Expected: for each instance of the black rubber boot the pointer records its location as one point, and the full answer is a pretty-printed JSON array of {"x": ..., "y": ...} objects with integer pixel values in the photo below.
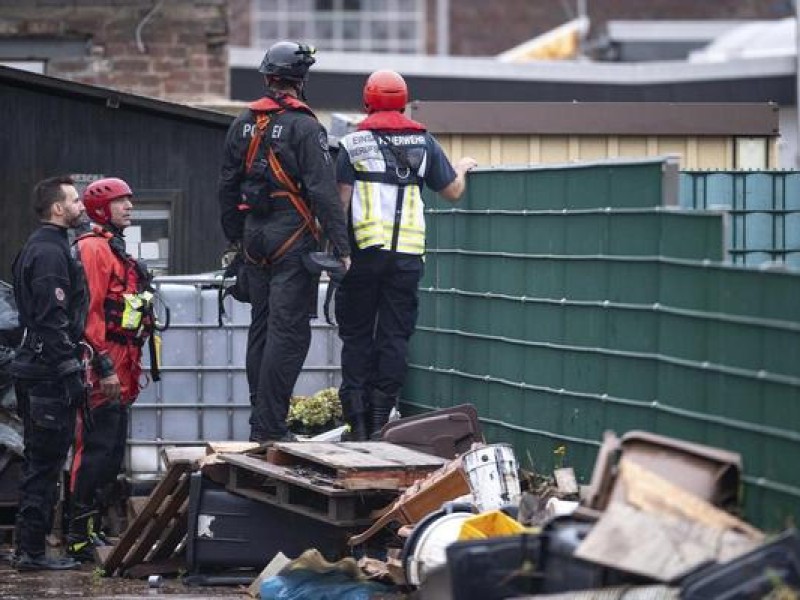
[
  {"x": 356, "y": 412},
  {"x": 381, "y": 405},
  {"x": 26, "y": 562},
  {"x": 82, "y": 537}
]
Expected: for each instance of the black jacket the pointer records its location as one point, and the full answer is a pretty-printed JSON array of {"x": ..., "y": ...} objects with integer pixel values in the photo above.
[
  {"x": 52, "y": 299},
  {"x": 301, "y": 145}
]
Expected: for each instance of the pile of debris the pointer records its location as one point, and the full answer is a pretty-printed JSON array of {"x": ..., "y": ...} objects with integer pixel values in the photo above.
[{"x": 433, "y": 510}]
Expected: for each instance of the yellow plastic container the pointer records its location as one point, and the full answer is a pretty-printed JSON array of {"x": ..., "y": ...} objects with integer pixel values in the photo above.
[{"x": 494, "y": 523}]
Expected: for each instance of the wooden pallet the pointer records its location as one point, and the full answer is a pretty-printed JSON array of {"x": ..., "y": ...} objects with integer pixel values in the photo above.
[
  {"x": 153, "y": 541},
  {"x": 358, "y": 465},
  {"x": 302, "y": 490}
]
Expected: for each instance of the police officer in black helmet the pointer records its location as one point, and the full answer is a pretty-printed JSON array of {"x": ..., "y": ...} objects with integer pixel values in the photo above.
[
  {"x": 277, "y": 195},
  {"x": 50, "y": 292}
]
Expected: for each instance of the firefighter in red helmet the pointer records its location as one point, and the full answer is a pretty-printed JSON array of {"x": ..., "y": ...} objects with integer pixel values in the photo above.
[
  {"x": 380, "y": 171},
  {"x": 119, "y": 321}
]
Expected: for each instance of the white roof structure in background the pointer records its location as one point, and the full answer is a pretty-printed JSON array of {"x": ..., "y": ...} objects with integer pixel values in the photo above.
[
  {"x": 489, "y": 68},
  {"x": 668, "y": 31},
  {"x": 752, "y": 40}
]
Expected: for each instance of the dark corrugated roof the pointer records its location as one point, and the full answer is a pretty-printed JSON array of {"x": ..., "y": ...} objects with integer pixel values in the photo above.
[{"x": 111, "y": 98}]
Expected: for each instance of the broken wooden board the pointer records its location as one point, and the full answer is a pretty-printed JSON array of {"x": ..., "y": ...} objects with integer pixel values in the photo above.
[
  {"x": 418, "y": 501},
  {"x": 661, "y": 546},
  {"x": 648, "y": 491},
  {"x": 229, "y": 447},
  {"x": 302, "y": 491},
  {"x": 160, "y": 525},
  {"x": 359, "y": 465}
]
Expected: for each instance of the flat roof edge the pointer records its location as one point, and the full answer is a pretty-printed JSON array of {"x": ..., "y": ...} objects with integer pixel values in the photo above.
[{"x": 488, "y": 68}]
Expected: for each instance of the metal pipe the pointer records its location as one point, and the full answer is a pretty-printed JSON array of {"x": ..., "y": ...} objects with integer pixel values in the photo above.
[
  {"x": 138, "y": 35},
  {"x": 443, "y": 27},
  {"x": 797, "y": 82}
]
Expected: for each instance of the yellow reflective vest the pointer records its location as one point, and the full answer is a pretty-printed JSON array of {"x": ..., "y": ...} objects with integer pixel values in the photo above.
[{"x": 386, "y": 207}]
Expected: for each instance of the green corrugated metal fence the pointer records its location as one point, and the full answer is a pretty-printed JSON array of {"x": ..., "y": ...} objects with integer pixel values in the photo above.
[
  {"x": 566, "y": 301},
  {"x": 763, "y": 209}
]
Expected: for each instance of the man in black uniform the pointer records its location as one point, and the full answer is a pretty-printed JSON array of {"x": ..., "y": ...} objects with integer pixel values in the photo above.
[
  {"x": 50, "y": 292},
  {"x": 277, "y": 179}
]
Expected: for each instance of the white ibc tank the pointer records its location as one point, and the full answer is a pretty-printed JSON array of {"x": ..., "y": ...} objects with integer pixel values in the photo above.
[{"x": 203, "y": 393}]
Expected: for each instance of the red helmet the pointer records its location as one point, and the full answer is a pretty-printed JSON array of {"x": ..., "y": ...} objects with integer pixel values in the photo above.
[
  {"x": 385, "y": 90},
  {"x": 100, "y": 193}
]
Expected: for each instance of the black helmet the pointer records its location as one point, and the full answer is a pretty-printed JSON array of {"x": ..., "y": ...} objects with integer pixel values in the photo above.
[{"x": 288, "y": 60}]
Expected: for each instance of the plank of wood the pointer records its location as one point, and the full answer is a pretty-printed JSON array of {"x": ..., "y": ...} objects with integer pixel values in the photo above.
[
  {"x": 173, "y": 535},
  {"x": 304, "y": 510},
  {"x": 257, "y": 465},
  {"x": 229, "y": 447},
  {"x": 380, "y": 480},
  {"x": 339, "y": 510},
  {"x": 168, "y": 511},
  {"x": 648, "y": 491},
  {"x": 162, "y": 490},
  {"x": 360, "y": 455},
  {"x": 174, "y": 564}
]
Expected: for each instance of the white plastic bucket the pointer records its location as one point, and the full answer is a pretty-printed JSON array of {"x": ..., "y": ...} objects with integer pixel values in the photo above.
[
  {"x": 492, "y": 474},
  {"x": 427, "y": 547}
]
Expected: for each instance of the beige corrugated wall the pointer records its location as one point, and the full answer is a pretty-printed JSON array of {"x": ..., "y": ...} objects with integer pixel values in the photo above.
[{"x": 696, "y": 152}]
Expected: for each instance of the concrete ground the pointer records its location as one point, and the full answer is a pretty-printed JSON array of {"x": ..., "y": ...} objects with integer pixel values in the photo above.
[{"x": 87, "y": 583}]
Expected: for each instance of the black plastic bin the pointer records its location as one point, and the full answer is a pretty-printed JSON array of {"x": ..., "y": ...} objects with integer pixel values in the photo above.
[
  {"x": 229, "y": 531},
  {"x": 752, "y": 575},
  {"x": 504, "y": 567}
]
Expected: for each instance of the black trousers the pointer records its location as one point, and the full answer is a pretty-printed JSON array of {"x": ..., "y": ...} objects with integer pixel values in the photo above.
[
  {"x": 283, "y": 296},
  {"x": 49, "y": 424},
  {"x": 97, "y": 461},
  {"x": 376, "y": 309}
]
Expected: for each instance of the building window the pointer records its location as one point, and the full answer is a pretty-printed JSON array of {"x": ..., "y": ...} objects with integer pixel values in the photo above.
[
  {"x": 148, "y": 236},
  {"x": 351, "y": 25}
]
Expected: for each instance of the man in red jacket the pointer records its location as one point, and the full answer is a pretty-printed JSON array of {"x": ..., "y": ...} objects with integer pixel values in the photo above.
[{"x": 119, "y": 321}]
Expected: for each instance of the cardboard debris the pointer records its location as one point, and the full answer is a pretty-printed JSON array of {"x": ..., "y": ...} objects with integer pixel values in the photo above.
[
  {"x": 710, "y": 473},
  {"x": 647, "y": 491},
  {"x": 660, "y": 546},
  {"x": 664, "y": 531}
]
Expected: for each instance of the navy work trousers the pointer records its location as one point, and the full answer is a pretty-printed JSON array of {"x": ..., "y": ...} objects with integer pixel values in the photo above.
[{"x": 376, "y": 310}]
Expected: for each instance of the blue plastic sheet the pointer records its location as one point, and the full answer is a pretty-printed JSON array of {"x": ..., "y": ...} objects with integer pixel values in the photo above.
[{"x": 304, "y": 584}]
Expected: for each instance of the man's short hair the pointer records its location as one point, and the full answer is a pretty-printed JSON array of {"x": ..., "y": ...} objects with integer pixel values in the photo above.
[{"x": 47, "y": 192}]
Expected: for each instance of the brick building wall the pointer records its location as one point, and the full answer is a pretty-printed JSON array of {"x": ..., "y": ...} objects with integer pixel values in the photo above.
[
  {"x": 180, "y": 52},
  {"x": 239, "y": 22},
  {"x": 485, "y": 28}
]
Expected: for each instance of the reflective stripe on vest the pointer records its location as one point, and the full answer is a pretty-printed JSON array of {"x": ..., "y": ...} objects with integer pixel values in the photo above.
[{"x": 377, "y": 190}]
